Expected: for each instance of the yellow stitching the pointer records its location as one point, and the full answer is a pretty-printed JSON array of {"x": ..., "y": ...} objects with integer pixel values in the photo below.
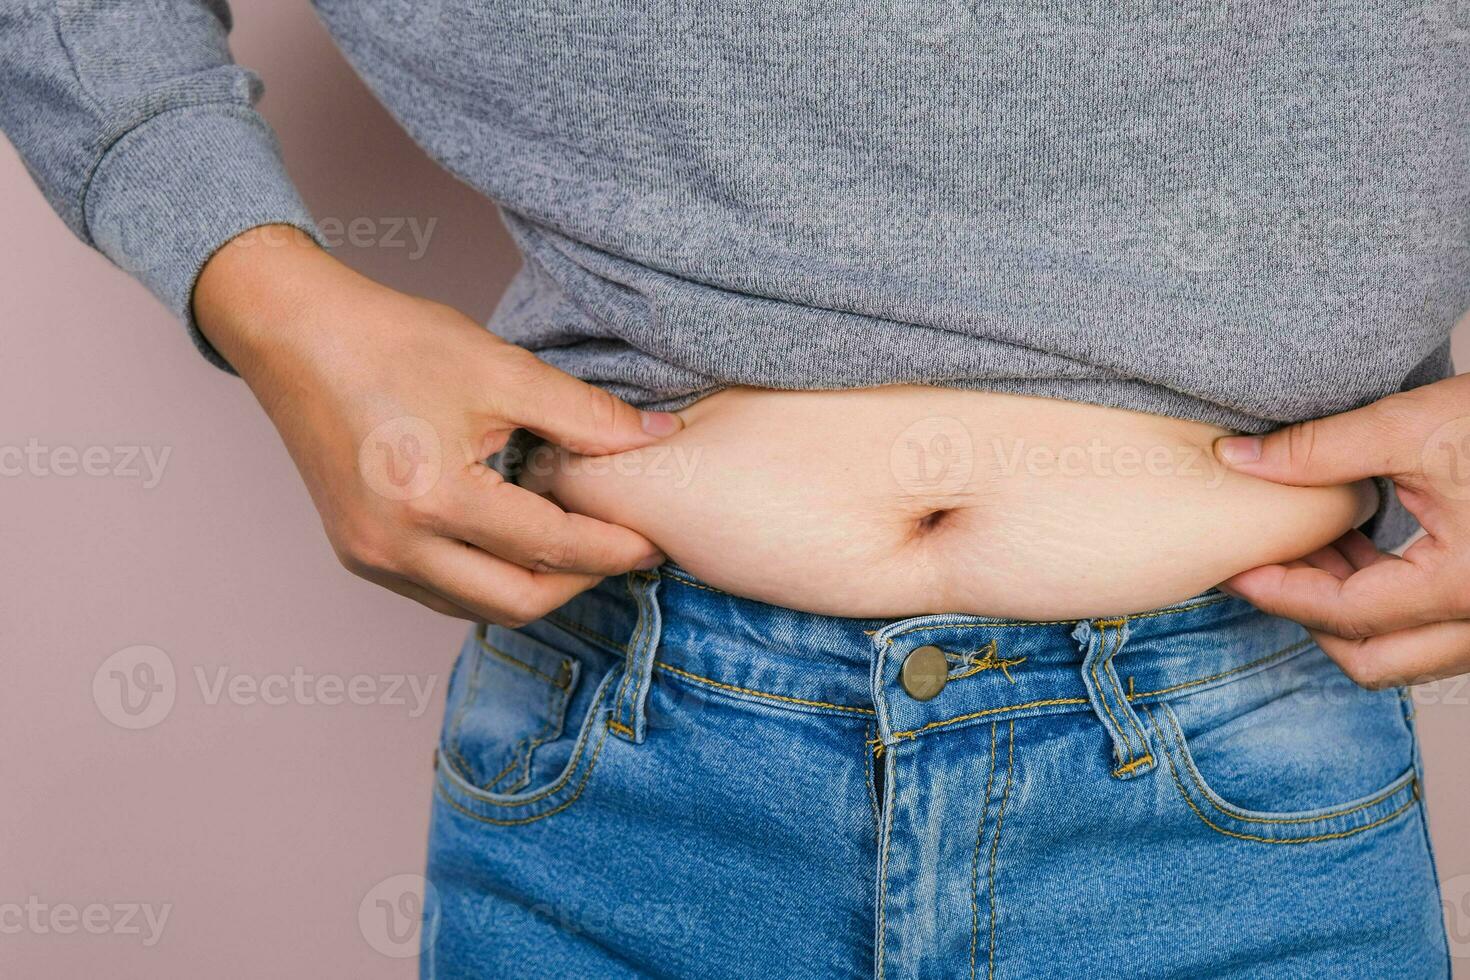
[
  {"x": 868, "y": 775},
  {"x": 633, "y": 709},
  {"x": 591, "y": 765},
  {"x": 1101, "y": 696},
  {"x": 490, "y": 786},
  {"x": 991, "y": 661},
  {"x": 968, "y": 658},
  {"x": 1198, "y": 781},
  {"x": 877, "y": 745},
  {"x": 620, "y": 728},
  {"x": 576, "y": 627},
  {"x": 632, "y": 643},
  {"x": 1283, "y": 652},
  {"x": 760, "y": 694},
  {"x": 1143, "y": 760},
  {"x": 452, "y": 737},
  {"x": 1112, "y": 676},
  {"x": 1286, "y": 840},
  {"x": 587, "y": 632},
  {"x": 515, "y": 662},
  {"x": 914, "y": 733},
  {"x": 975, "y": 861},
  {"x": 1060, "y": 701},
  {"x": 699, "y": 585},
  {"x": 1006, "y": 624},
  {"x": 555, "y": 719},
  {"x": 572, "y": 766},
  {"x": 1169, "y": 612},
  {"x": 530, "y": 743},
  {"x": 889, "y": 792},
  {"x": 1000, "y": 819}
]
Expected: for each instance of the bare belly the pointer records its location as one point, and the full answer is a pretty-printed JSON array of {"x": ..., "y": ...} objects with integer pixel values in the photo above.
[{"x": 899, "y": 501}]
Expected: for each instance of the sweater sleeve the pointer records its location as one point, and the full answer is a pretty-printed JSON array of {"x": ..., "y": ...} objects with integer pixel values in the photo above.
[{"x": 142, "y": 133}]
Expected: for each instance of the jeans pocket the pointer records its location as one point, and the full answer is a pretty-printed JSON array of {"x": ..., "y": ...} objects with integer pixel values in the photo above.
[
  {"x": 1296, "y": 754},
  {"x": 522, "y": 722}
]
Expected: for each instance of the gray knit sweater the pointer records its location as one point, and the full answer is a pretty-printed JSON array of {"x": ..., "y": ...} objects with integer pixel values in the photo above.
[{"x": 1246, "y": 213}]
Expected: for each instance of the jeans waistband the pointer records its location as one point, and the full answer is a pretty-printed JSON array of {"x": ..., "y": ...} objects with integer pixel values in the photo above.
[{"x": 671, "y": 626}]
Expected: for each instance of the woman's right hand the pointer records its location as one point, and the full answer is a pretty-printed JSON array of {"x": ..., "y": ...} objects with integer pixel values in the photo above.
[{"x": 389, "y": 405}]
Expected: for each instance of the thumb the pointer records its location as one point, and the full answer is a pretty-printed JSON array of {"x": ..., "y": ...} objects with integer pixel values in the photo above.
[
  {"x": 1322, "y": 452},
  {"x": 578, "y": 416}
]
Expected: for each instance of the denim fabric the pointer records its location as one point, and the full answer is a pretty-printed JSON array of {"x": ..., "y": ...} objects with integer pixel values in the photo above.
[{"x": 664, "y": 780}]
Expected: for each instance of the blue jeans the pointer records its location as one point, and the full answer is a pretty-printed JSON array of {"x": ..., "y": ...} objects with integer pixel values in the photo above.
[{"x": 661, "y": 779}]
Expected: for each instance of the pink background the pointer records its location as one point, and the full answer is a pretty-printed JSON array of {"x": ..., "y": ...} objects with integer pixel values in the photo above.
[{"x": 263, "y": 826}]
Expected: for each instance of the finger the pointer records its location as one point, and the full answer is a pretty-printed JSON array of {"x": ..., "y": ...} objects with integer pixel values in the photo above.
[
  {"x": 418, "y": 594},
  {"x": 1323, "y": 452},
  {"x": 437, "y": 603},
  {"x": 495, "y": 591},
  {"x": 1329, "y": 559},
  {"x": 513, "y": 523},
  {"x": 1359, "y": 549},
  {"x": 1379, "y": 598},
  {"x": 578, "y": 416},
  {"x": 1402, "y": 658}
]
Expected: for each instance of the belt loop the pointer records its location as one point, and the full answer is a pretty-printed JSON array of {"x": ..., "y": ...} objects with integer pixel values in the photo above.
[
  {"x": 629, "y": 718},
  {"x": 1101, "y": 639}
]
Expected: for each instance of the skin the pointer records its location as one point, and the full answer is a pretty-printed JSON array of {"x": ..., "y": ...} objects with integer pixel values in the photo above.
[
  {"x": 339, "y": 363},
  {"x": 896, "y": 501},
  {"x": 367, "y": 385},
  {"x": 1388, "y": 620}
]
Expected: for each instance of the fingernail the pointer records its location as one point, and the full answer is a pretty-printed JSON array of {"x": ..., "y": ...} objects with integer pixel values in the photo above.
[
  {"x": 660, "y": 423},
  {"x": 651, "y": 562},
  {"x": 1239, "y": 449}
]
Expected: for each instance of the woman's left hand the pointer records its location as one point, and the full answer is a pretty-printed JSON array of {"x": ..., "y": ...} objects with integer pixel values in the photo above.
[{"x": 1387, "y": 620}]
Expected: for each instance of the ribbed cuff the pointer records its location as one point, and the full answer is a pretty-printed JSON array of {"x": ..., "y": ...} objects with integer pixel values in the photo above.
[{"x": 176, "y": 188}]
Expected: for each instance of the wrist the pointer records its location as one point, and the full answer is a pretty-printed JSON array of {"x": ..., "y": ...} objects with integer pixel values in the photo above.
[{"x": 254, "y": 296}]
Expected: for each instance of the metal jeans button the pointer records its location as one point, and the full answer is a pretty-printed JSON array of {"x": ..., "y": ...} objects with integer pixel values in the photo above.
[{"x": 925, "y": 672}]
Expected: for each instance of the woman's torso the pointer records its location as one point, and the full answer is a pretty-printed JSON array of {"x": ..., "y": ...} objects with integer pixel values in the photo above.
[{"x": 903, "y": 500}]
